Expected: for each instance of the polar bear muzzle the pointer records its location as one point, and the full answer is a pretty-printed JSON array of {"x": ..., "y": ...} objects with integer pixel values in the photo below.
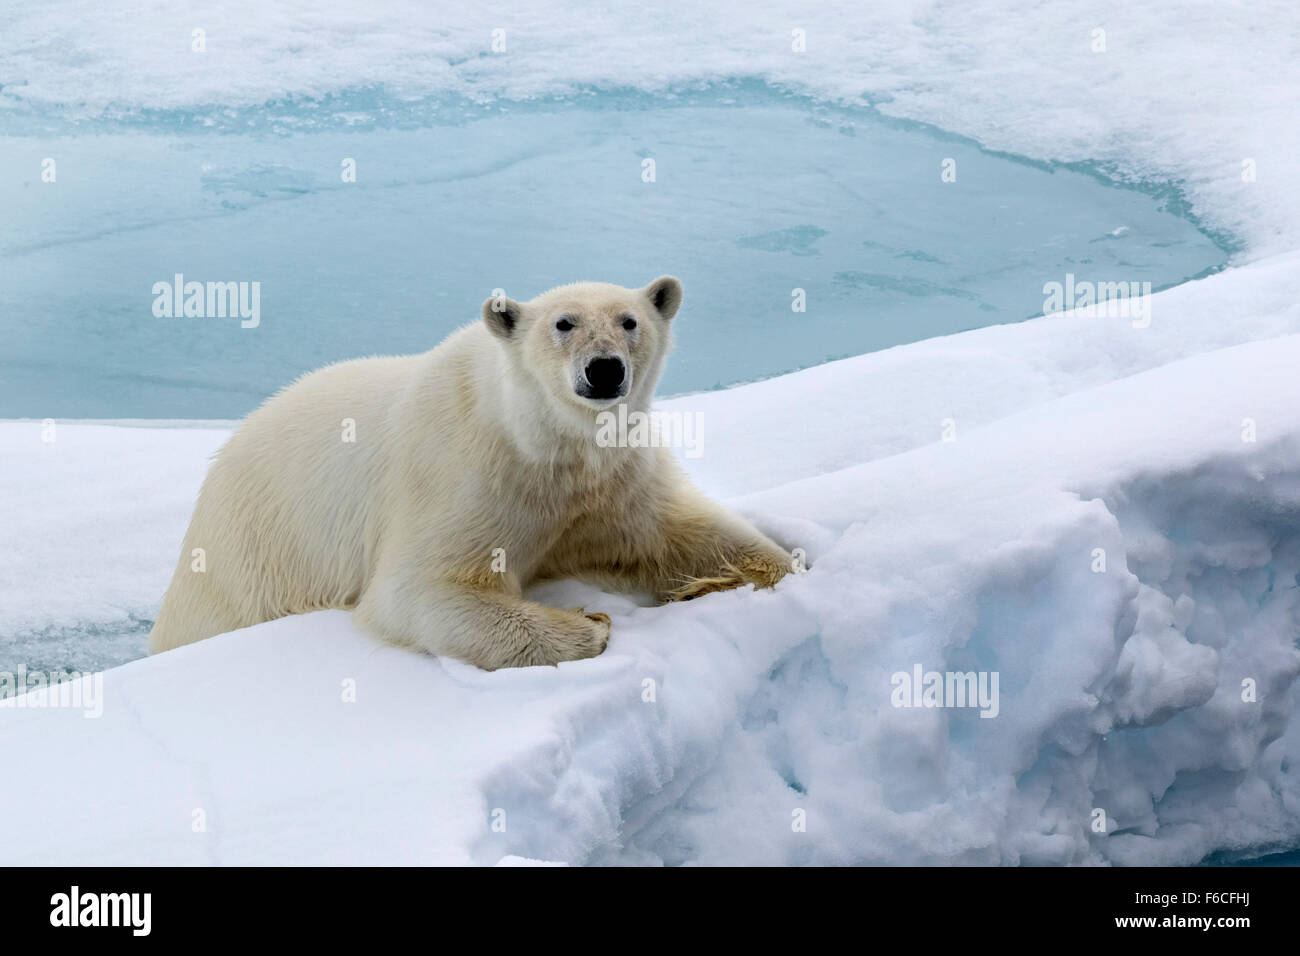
[{"x": 604, "y": 377}]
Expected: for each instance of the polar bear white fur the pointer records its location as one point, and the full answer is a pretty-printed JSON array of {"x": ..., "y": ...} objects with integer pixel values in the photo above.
[{"x": 473, "y": 471}]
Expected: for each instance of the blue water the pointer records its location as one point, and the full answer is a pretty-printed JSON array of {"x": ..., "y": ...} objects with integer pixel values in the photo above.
[
  {"x": 756, "y": 194},
  {"x": 1283, "y": 858}
]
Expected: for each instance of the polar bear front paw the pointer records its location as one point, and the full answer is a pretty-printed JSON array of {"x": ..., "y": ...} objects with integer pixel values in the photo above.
[
  {"x": 582, "y": 635},
  {"x": 761, "y": 570}
]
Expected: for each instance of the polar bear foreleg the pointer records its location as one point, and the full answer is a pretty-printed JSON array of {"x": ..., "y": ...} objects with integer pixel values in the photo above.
[
  {"x": 488, "y": 627},
  {"x": 705, "y": 549}
]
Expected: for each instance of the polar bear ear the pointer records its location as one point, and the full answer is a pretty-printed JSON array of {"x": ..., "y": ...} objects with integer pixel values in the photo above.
[
  {"x": 665, "y": 294},
  {"x": 502, "y": 315}
]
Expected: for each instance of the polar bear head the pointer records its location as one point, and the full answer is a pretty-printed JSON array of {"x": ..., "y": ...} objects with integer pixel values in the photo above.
[{"x": 589, "y": 345}]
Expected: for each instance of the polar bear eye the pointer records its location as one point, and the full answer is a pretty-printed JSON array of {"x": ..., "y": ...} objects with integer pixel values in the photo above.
[
  {"x": 563, "y": 325},
  {"x": 629, "y": 323}
]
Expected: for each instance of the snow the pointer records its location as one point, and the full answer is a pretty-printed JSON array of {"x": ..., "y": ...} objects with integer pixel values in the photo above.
[
  {"x": 1155, "y": 693},
  {"x": 1119, "y": 690}
]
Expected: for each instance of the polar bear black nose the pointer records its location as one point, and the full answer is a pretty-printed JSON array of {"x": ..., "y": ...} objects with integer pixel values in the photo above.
[{"x": 605, "y": 376}]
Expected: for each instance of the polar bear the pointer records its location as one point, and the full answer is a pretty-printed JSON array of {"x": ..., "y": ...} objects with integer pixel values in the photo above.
[{"x": 426, "y": 492}]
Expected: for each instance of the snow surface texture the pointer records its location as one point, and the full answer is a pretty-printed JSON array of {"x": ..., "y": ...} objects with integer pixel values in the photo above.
[{"x": 1120, "y": 690}]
